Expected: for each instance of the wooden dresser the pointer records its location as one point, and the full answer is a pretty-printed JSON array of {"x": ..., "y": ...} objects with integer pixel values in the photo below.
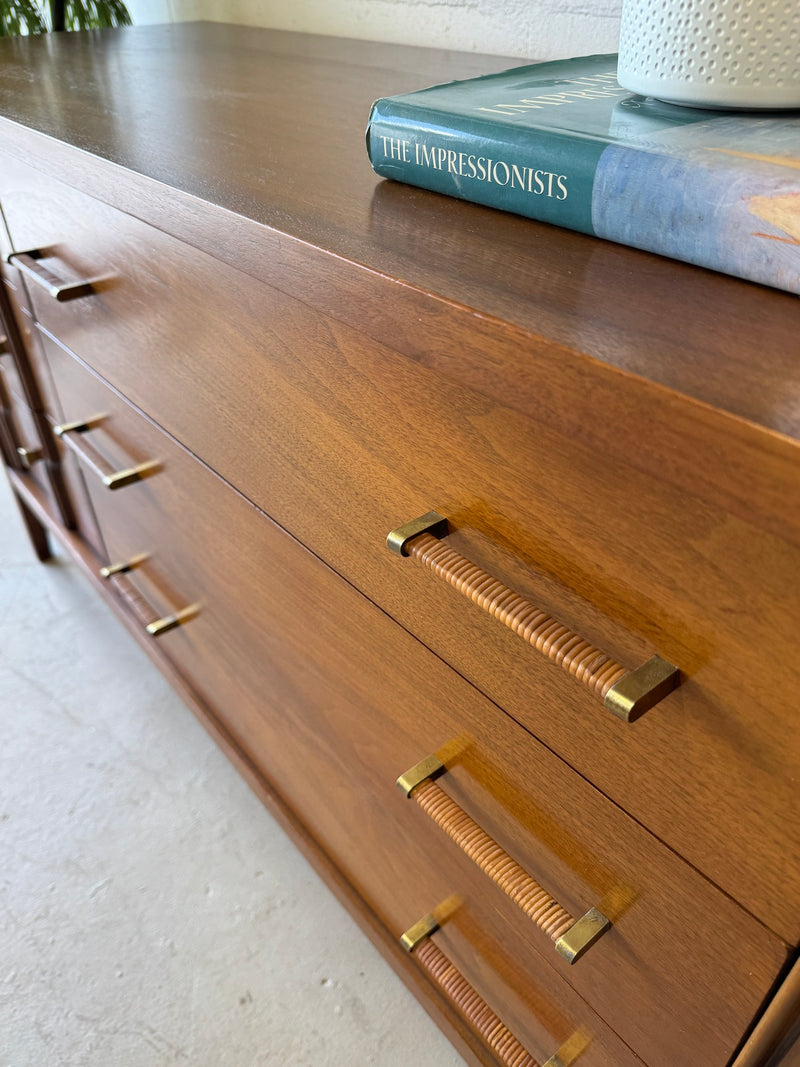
[{"x": 237, "y": 362}]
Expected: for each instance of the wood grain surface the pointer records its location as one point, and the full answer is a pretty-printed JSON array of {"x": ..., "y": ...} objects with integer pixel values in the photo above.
[
  {"x": 292, "y": 406},
  {"x": 333, "y": 700}
]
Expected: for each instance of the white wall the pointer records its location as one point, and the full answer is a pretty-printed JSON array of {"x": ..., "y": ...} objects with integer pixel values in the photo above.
[{"x": 529, "y": 29}]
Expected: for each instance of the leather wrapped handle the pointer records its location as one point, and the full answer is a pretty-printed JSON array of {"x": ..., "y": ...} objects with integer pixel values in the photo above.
[
  {"x": 72, "y": 434},
  {"x": 626, "y": 693},
  {"x": 30, "y": 265},
  {"x": 571, "y": 937}
]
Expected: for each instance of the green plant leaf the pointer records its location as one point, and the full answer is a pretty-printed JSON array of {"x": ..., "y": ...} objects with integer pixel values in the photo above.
[
  {"x": 30, "y": 16},
  {"x": 20, "y": 17},
  {"x": 96, "y": 14}
]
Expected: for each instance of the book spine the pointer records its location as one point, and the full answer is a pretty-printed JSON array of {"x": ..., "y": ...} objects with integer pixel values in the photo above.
[
  {"x": 705, "y": 208},
  {"x": 541, "y": 174}
]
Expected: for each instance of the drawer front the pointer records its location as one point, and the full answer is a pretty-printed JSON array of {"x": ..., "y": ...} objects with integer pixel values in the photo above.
[
  {"x": 333, "y": 701},
  {"x": 293, "y": 407}
]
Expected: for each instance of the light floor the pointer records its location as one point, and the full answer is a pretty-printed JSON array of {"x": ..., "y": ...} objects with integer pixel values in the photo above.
[{"x": 151, "y": 912}]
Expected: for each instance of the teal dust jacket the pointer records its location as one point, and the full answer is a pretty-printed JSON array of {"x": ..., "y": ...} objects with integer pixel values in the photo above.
[{"x": 564, "y": 143}]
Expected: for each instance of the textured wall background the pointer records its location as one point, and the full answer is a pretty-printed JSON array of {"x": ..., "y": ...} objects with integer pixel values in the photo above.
[{"x": 528, "y": 29}]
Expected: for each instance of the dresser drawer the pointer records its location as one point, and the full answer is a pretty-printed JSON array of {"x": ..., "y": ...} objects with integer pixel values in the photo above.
[
  {"x": 333, "y": 701},
  {"x": 307, "y": 411}
]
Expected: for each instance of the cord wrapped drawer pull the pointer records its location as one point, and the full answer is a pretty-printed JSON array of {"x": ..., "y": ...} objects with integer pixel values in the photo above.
[
  {"x": 571, "y": 937},
  {"x": 626, "y": 693},
  {"x": 30, "y": 264},
  {"x": 72, "y": 434},
  {"x": 472, "y": 1007}
]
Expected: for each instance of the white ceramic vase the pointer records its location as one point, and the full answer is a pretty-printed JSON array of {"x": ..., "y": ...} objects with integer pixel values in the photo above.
[{"x": 739, "y": 54}]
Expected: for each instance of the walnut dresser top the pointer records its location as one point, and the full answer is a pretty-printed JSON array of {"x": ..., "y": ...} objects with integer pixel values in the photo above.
[{"x": 235, "y": 110}]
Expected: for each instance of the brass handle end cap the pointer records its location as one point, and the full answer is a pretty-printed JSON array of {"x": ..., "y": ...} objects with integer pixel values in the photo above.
[
  {"x": 421, "y": 929},
  {"x": 170, "y": 622},
  {"x": 430, "y": 767},
  {"x": 582, "y": 935},
  {"x": 642, "y": 688},
  {"x": 119, "y": 479},
  {"x": 79, "y": 425},
  {"x": 125, "y": 566},
  {"x": 431, "y": 522}
]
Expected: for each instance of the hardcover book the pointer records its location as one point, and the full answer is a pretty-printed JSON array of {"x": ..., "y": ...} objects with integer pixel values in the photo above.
[{"x": 564, "y": 143}]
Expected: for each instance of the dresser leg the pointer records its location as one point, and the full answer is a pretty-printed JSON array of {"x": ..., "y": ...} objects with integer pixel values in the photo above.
[{"x": 36, "y": 532}]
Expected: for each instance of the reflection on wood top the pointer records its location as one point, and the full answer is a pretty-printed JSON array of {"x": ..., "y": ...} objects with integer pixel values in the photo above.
[{"x": 270, "y": 126}]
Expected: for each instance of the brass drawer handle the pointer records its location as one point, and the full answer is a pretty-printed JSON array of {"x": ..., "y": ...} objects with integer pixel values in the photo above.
[
  {"x": 154, "y": 624},
  {"x": 628, "y": 694},
  {"x": 29, "y": 456},
  {"x": 30, "y": 265},
  {"x": 71, "y": 433},
  {"x": 161, "y": 626},
  {"x": 472, "y": 1007},
  {"x": 572, "y": 937},
  {"x": 113, "y": 570}
]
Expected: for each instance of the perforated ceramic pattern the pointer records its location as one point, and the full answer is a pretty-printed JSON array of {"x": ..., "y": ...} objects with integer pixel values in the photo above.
[{"x": 750, "y": 43}]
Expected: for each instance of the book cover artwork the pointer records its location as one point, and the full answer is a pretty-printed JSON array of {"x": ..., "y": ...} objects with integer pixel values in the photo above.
[{"x": 564, "y": 143}]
